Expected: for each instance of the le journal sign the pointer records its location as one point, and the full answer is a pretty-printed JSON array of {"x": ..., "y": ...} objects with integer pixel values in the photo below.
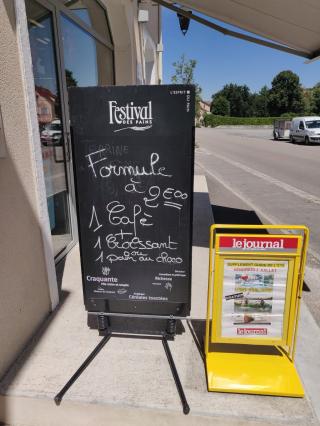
[{"x": 258, "y": 244}]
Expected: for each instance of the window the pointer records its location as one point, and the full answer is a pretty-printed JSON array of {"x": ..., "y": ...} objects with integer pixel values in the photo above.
[
  {"x": 96, "y": 69},
  {"x": 92, "y": 14},
  {"x": 48, "y": 99},
  {"x": 87, "y": 54},
  {"x": 301, "y": 125},
  {"x": 314, "y": 124},
  {"x": 45, "y": 110}
]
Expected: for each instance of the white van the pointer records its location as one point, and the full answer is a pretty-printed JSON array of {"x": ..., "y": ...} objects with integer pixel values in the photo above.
[{"x": 305, "y": 130}]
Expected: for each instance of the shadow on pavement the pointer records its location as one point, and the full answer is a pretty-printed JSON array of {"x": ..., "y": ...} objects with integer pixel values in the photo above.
[
  {"x": 202, "y": 219},
  {"x": 232, "y": 216},
  {"x": 197, "y": 328}
]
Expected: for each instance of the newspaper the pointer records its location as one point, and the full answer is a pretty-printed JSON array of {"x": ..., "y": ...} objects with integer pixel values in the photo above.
[{"x": 253, "y": 298}]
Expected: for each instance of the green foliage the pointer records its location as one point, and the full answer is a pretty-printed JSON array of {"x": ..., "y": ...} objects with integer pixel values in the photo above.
[
  {"x": 238, "y": 98},
  {"x": 211, "y": 120},
  {"x": 184, "y": 74},
  {"x": 288, "y": 115},
  {"x": 71, "y": 81},
  {"x": 286, "y": 98},
  {"x": 286, "y": 94},
  {"x": 315, "y": 99},
  {"x": 184, "y": 71},
  {"x": 220, "y": 105},
  {"x": 307, "y": 99},
  {"x": 260, "y": 103}
]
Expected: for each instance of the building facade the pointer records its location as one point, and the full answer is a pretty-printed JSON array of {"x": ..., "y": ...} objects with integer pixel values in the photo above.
[
  {"x": 204, "y": 109},
  {"x": 47, "y": 46}
]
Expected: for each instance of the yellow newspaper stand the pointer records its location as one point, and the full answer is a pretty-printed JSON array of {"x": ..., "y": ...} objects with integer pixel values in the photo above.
[{"x": 254, "y": 292}]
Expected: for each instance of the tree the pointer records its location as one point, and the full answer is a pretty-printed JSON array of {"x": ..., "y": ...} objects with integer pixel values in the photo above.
[
  {"x": 315, "y": 99},
  {"x": 308, "y": 101},
  {"x": 220, "y": 106},
  {"x": 184, "y": 74},
  {"x": 239, "y": 97},
  {"x": 286, "y": 94},
  {"x": 260, "y": 103},
  {"x": 71, "y": 81}
]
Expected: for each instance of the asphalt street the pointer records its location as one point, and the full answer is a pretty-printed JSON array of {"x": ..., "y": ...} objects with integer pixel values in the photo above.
[{"x": 253, "y": 179}]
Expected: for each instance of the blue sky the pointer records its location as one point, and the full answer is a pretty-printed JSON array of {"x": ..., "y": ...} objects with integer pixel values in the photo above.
[{"x": 223, "y": 59}]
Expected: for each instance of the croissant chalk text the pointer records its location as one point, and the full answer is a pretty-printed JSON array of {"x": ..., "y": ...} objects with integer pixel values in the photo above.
[{"x": 137, "y": 243}]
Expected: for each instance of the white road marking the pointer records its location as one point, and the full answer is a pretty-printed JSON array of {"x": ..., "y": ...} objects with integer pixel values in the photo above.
[
  {"x": 285, "y": 186},
  {"x": 265, "y": 218}
]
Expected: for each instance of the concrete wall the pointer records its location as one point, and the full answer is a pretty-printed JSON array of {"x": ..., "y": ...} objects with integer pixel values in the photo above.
[
  {"x": 129, "y": 39},
  {"x": 154, "y": 27},
  {"x": 150, "y": 38},
  {"x": 24, "y": 283},
  {"x": 120, "y": 13}
]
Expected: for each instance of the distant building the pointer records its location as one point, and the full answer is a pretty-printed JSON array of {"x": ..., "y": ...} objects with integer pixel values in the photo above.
[
  {"x": 45, "y": 100},
  {"x": 204, "y": 108}
]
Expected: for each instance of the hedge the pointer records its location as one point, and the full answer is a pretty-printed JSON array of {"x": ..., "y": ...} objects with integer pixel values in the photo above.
[{"x": 211, "y": 120}]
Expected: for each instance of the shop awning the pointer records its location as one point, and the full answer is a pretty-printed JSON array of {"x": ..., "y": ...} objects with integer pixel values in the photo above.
[{"x": 292, "y": 25}]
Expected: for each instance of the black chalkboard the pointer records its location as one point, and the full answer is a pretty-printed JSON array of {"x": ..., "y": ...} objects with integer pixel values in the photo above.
[{"x": 133, "y": 153}]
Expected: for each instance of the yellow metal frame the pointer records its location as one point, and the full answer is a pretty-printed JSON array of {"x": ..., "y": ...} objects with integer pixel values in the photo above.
[{"x": 262, "y": 373}]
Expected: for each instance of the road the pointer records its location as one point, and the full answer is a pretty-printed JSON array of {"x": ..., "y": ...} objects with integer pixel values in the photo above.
[{"x": 253, "y": 179}]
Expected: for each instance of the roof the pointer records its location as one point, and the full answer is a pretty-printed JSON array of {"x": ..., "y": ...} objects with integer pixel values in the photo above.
[
  {"x": 313, "y": 117},
  {"x": 206, "y": 102},
  {"x": 45, "y": 93},
  {"x": 290, "y": 23}
]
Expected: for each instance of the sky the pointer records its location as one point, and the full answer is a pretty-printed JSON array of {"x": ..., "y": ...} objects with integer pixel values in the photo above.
[{"x": 223, "y": 59}]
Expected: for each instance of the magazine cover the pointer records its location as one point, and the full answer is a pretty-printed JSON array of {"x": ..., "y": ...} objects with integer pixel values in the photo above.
[{"x": 253, "y": 298}]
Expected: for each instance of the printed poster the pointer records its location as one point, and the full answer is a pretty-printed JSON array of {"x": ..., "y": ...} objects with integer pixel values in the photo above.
[{"x": 253, "y": 298}]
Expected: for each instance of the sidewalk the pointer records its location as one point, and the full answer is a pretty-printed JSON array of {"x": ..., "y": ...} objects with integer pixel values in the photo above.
[{"x": 130, "y": 382}]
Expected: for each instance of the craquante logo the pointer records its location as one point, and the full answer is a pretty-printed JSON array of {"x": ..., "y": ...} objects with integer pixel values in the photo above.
[{"x": 131, "y": 116}]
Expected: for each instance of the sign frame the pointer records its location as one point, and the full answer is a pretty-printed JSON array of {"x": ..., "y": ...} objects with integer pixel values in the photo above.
[
  {"x": 98, "y": 306},
  {"x": 290, "y": 297},
  {"x": 114, "y": 205},
  {"x": 245, "y": 364}
]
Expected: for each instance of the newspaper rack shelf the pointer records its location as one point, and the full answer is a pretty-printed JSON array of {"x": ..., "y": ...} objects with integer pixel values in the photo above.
[{"x": 254, "y": 291}]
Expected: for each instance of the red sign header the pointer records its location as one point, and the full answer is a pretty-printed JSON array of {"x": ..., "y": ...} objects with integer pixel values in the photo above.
[{"x": 263, "y": 243}]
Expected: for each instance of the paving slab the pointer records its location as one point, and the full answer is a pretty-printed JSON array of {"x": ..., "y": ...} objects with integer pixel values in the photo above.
[{"x": 130, "y": 382}]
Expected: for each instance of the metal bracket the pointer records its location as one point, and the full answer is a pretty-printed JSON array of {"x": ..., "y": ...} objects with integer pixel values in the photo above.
[
  {"x": 184, "y": 402},
  {"x": 101, "y": 344}
]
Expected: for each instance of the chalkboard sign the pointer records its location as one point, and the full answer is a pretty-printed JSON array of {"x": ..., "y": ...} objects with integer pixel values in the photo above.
[{"x": 133, "y": 153}]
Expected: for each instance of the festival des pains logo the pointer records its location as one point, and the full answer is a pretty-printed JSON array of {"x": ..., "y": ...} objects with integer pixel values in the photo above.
[{"x": 131, "y": 116}]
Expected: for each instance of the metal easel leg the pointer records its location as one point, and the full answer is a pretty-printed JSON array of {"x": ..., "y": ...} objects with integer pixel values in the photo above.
[
  {"x": 94, "y": 353},
  {"x": 185, "y": 405}
]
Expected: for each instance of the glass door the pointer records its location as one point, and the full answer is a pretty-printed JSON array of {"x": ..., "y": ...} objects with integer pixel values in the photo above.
[
  {"x": 51, "y": 123},
  {"x": 71, "y": 45}
]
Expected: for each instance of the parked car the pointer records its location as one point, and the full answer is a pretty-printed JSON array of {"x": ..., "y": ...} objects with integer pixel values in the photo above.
[
  {"x": 281, "y": 129},
  {"x": 52, "y": 133},
  {"x": 305, "y": 130}
]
